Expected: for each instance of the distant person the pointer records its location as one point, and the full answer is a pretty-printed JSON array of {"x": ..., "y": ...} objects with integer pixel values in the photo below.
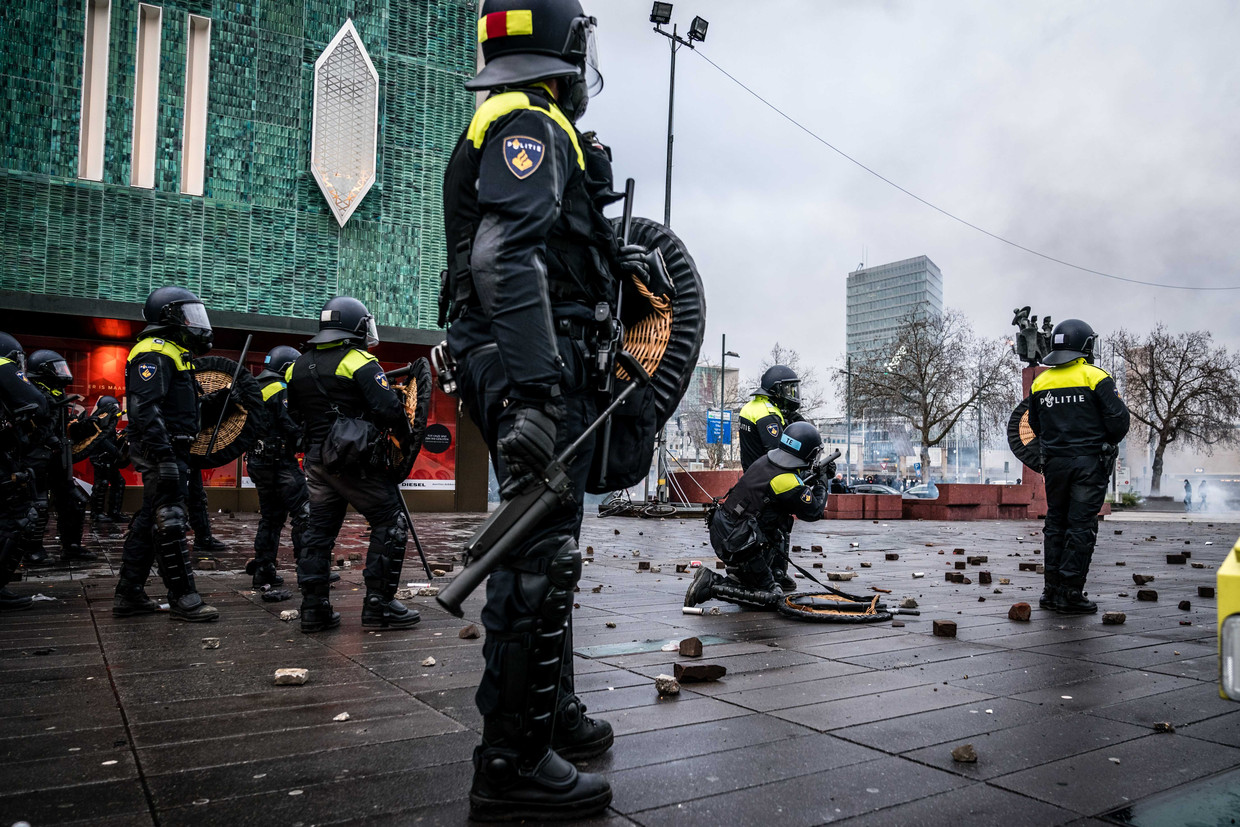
[
  {"x": 1188, "y": 496},
  {"x": 837, "y": 485},
  {"x": 1201, "y": 496},
  {"x": 1078, "y": 418}
]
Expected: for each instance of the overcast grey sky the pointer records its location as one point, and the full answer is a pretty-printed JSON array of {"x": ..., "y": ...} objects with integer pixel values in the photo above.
[{"x": 1103, "y": 133}]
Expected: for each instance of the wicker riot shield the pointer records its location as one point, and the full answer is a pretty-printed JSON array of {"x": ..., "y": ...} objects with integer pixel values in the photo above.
[
  {"x": 84, "y": 437},
  {"x": 244, "y": 416},
  {"x": 398, "y": 455},
  {"x": 1021, "y": 438}
]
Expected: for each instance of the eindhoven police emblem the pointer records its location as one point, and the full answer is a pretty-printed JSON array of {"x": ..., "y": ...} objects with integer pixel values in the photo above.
[
  {"x": 146, "y": 370},
  {"x": 773, "y": 430},
  {"x": 522, "y": 155}
]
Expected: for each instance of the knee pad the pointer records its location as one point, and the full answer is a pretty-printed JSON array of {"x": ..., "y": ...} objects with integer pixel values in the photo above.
[
  {"x": 300, "y": 515},
  {"x": 392, "y": 536},
  {"x": 170, "y": 521}
]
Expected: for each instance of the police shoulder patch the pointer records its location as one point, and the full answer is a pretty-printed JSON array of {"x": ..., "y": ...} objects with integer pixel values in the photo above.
[
  {"x": 523, "y": 155},
  {"x": 772, "y": 429},
  {"x": 381, "y": 378},
  {"x": 147, "y": 370},
  {"x": 21, "y": 374},
  {"x": 807, "y": 496}
]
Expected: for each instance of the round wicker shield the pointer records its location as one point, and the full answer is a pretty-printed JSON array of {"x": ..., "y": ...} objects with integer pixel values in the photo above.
[
  {"x": 84, "y": 437},
  {"x": 665, "y": 335},
  {"x": 244, "y": 415},
  {"x": 415, "y": 394},
  {"x": 828, "y": 607},
  {"x": 1021, "y": 438}
]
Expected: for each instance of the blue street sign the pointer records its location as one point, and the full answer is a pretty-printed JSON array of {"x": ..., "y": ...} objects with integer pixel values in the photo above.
[
  {"x": 916, "y": 466},
  {"x": 712, "y": 428}
]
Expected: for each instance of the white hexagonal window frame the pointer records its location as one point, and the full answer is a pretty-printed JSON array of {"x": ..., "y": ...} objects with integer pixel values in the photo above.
[{"x": 345, "y": 132}]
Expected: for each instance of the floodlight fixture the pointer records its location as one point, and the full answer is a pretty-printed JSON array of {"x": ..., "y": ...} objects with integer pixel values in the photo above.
[
  {"x": 661, "y": 13},
  {"x": 697, "y": 29}
]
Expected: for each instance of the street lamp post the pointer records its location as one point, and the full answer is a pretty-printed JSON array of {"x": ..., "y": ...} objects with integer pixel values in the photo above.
[
  {"x": 660, "y": 14},
  {"x": 723, "y": 383}
]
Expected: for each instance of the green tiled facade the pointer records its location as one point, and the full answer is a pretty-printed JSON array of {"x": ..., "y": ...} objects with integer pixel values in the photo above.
[{"x": 261, "y": 240}]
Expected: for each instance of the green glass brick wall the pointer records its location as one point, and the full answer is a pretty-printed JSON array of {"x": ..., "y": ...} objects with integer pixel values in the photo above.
[{"x": 261, "y": 240}]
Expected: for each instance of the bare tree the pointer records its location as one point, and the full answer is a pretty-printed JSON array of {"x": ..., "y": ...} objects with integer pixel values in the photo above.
[
  {"x": 702, "y": 398},
  {"x": 934, "y": 372},
  {"x": 813, "y": 395},
  {"x": 1180, "y": 387}
]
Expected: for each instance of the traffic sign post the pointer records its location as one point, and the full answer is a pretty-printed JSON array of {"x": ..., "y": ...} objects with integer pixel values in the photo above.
[{"x": 713, "y": 429}]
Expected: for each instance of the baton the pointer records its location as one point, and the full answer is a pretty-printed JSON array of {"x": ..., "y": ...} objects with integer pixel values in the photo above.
[
  {"x": 399, "y": 373},
  {"x": 626, "y": 226},
  {"x": 224, "y": 408},
  {"x": 413, "y": 532},
  {"x": 513, "y": 521}
]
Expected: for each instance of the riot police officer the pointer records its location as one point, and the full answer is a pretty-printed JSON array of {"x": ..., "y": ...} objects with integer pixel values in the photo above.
[
  {"x": 19, "y": 403},
  {"x": 752, "y": 525},
  {"x": 51, "y": 457},
  {"x": 762, "y": 420},
  {"x": 531, "y": 259},
  {"x": 341, "y": 397},
  {"x": 107, "y": 460},
  {"x": 1079, "y": 419},
  {"x": 162, "y": 399},
  {"x": 277, "y": 476}
]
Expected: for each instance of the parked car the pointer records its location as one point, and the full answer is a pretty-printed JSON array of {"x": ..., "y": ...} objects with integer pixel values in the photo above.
[
  {"x": 922, "y": 491},
  {"x": 874, "y": 488}
]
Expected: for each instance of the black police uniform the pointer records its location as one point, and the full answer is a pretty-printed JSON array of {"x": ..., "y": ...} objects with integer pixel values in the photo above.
[
  {"x": 761, "y": 423},
  {"x": 767, "y": 497},
  {"x": 51, "y": 458},
  {"x": 340, "y": 378},
  {"x": 531, "y": 253},
  {"x": 107, "y": 460},
  {"x": 278, "y": 479},
  {"x": 17, "y": 514},
  {"x": 1078, "y": 417},
  {"x": 162, "y": 399}
]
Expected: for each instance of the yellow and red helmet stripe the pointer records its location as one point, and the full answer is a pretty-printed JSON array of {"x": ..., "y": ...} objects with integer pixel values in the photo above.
[{"x": 504, "y": 23}]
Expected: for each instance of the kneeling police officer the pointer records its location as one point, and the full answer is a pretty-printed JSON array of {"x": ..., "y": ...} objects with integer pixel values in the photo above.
[
  {"x": 161, "y": 395},
  {"x": 336, "y": 382},
  {"x": 1079, "y": 418},
  {"x": 751, "y": 527}
]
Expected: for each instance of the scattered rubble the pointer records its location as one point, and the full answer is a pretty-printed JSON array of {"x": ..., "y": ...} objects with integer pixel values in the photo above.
[
  {"x": 666, "y": 685},
  {"x": 291, "y": 677},
  {"x": 1185, "y": 606},
  {"x": 1020, "y": 611},
  {"x": 210, "y": 643},
  {"x": 1113, "y": 618},
  {"x": 470, "y": 632},
  {"x": 964, "y": 754},
  {"x": 289, "y": 614},
  {"x": 944, "y": 628},
  {"x": 1205, "y": 591},
  {"x": 1164, "y": 726},
  {"x": 908, "y": 603},
  {"x": 343, "y": 716},
  {"x": 429, "y": 662},
  {"x": 698, "y": 672},
  {"x": 1147, "y": 595},
  {"x": 691, "y": 647},
  {"x": 1142, "y": 579}
]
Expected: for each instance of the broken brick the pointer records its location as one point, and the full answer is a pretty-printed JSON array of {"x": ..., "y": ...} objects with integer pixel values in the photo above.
[
  {"x": 1020, "y": 611},
  {"x": 944, "y": 628}
]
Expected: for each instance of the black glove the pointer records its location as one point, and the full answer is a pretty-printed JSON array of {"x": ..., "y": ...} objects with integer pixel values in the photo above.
[
  {"x": 529, "y": 444},
  {"x": 828, "y": 471},
  {"x": 648, "y": 266}
]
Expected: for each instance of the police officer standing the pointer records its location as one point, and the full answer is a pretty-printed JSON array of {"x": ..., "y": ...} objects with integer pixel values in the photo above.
[
  {"x": 107, "y": 461},
  {"x": 19, "y": 403},
  {"x": 531, "y": 258},
  {"x": 762, "y": 421},
  {"x": 161, "y": 396},
  {"x": 51, "y": 457},
  {"x": 277, "y": 476},
  {"x": 752, "y": 525},
  {"x": 334, "y": 388},
  {"x": 1079, "y": 418}
]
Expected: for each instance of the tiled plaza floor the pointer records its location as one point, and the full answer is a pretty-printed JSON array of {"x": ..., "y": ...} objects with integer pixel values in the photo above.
[{"x": 118, "y": 722}]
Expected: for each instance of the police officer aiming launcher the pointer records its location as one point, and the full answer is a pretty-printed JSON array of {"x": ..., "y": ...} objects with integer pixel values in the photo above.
[
  {"x": 339, "y": 394},
  {"x": 161, "y": 396},
  {"x": 1078, "y": 417}
]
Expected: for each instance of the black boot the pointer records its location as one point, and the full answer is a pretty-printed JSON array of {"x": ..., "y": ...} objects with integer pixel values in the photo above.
[
  {"x": 208, "y": 542},
  {"x": 10, "y": 602},
  {"x": 76, "y": 552},
  {"x": 379, "y": 610},
  {"x": 317, "y": 614},
  {"x": 1050, "y": 597},
  {"x": 702, "y": 588},
  {"x": 1072, "y": 601},
  {"x": 129, "y": 601},
  {"x": 577, "y": 736},
  {"x": 780, "y": 574},
  {"x": 548, "y": 788},
  {"x": 190, "y": 608},
  {"x": 37, "y": 558},
  {"x": 263, "y": 574}
]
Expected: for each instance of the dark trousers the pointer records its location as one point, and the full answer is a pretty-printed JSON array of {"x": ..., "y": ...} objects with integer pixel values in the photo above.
[
  {"x": 484, "y": 386},
  {"x": 1075, "y": 490},
  {"x": 140, "y": 549},
  {"x": 282, "y": 494},
  {"x": 17, "y": 518},
  {"x": 377, "y": 499},
  {"x": 56, "y": 489},
  {"x": 199, "y": 514}
]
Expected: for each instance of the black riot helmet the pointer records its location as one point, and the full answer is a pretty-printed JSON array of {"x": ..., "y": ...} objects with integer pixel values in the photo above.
[
  {"x": 180, "y": 316},
  {"x": 344, "y": 317},
  {"x": 107, "y": 405},
  {"x": 799, "y": 446},
  {"x": 1071, "y": 339},
  {"x": 783, "y": 386},
  {"x": 280, "y": 357},
  {"x": 12, "y": 350},
  {"x": 49, "y": 368},
  {"x": 525, "y": 41}
]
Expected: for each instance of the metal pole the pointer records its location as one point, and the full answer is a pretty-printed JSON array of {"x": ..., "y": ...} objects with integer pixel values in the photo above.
[
  {"x": 667, "y": 222},
  {"x": 981, "y": 473},
  {"x": 848, "y": 417},
  {"x": 723, "y": 378}
]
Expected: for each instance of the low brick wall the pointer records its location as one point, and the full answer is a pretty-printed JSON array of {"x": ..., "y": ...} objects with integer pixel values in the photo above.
[{"x": 715, "y": 483}]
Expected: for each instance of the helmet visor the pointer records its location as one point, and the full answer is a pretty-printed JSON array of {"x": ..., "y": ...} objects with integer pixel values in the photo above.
[
  {"x": 582, "y": 48},
  {"x": 372, "y": 332},
  {"x": 60, "y": 369},
  {"x": 789, "y": 391},
  {"x": 194, "y": 314}
]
